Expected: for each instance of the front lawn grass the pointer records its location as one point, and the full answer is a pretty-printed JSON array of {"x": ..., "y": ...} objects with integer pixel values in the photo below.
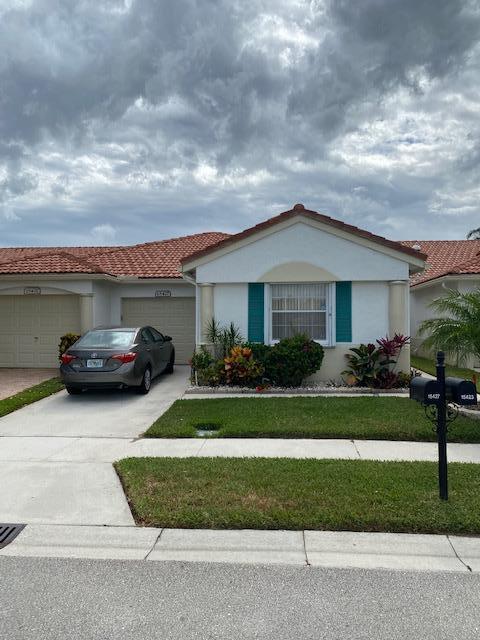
[
  {"x": 32, "y": 394},
  {"x": 367, "y": 418},
  {"x": 427, "y": 365},
  {"x": 265, "y": 493}
]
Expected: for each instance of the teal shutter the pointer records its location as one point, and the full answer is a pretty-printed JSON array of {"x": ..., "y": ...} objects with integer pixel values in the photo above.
[
  {"x": 343, "y": 308},
  {"x": 256, "y": 312}
]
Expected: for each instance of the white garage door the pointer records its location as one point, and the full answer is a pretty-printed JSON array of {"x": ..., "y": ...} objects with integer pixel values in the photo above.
[
  {"x": 172, "y": 316},
  {"x": 31, "y": 326}
]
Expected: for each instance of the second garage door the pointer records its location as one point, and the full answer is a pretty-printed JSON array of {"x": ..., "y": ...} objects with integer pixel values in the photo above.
[
  {"x": 31, "y": 326},
  {"x": 172, "y": 316}
]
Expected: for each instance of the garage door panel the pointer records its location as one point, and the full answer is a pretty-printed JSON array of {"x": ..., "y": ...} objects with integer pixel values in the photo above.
[
  {"x": 8, "y": 350},
  {"x": 171, "y": 316},
  {"x": 31, "y": 326}
]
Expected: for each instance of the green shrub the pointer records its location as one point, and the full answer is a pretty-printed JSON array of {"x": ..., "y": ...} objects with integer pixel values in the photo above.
[
  {"x": 66, "y": 341},
  {"x": 291, "y": 360},
  {"x": 200, "y": 362},
  {"x": 201, "y": 359},
  {"x": 213, "y": 375},
  {"x": 260, "y": 351}
]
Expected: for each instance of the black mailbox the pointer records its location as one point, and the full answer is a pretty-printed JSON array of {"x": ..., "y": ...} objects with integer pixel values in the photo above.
[
  {"x": 460, "y": 391},
  {"x": 424, "y": 390}
]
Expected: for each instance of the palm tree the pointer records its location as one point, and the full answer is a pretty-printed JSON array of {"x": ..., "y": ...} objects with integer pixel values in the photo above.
[
  {"x": 458, "y": 331},
  {"x": 474, "y": 234}
]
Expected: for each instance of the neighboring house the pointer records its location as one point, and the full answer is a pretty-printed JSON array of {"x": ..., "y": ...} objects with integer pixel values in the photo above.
[
  {"x": 451, "y": 264},
  {"x": 47, "y": 292},
  {"x": 297, "y": 272},
  {"x": 305, "y": 272}
]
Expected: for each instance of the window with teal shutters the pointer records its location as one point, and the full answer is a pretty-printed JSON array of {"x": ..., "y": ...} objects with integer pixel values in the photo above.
[
  {"x": 256, "y": 311},
  {"x": 343, "y": 311}
]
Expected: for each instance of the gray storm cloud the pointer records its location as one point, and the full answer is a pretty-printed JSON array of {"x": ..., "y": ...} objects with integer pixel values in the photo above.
[{"x": 159, "y": 118}]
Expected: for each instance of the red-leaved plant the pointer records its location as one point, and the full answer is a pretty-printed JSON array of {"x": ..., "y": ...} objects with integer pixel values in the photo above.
[{"x": 374, "y": 366}]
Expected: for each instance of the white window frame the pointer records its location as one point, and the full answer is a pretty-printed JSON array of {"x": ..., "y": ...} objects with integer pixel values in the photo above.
[{"x": 330, "y": 313}]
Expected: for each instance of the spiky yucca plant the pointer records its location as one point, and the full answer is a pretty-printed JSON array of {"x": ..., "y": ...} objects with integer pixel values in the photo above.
[{"x": 457, "y": 332}]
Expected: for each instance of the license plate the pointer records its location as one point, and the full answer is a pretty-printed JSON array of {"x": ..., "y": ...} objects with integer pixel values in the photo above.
[{"x": 94, "y": 364}]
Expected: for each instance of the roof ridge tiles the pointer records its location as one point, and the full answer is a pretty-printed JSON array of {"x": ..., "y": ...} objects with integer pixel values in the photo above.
[
  {"x": 299, "y": 210},
  {"x": 188, "y": 236},
  {"x": 49, "y": 254}
]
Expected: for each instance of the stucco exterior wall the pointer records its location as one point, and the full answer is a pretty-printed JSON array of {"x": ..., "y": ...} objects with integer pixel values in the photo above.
[
  {"x": 342, "y": 258},
  {"x": 231, "y": 305},
  {"x": 48, "y": 287},
  {"x": 333, "y": 364},
  {"x": 369, "y": 311}
]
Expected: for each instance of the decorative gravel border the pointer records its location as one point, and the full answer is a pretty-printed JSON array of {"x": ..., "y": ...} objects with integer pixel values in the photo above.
[{"x": 301, "y": 391}]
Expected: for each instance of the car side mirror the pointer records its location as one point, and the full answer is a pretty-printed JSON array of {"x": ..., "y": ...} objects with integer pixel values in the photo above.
[{"x": 167, "y": 338}]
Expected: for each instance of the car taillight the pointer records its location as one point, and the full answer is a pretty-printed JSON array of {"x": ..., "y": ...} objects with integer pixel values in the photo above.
[
  {"x": 125, "y": 357},
  {"x": 67, "y": 358}
]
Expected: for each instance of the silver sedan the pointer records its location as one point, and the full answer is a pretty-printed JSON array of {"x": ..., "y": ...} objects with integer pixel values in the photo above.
[{"x": 117, "y": 357}]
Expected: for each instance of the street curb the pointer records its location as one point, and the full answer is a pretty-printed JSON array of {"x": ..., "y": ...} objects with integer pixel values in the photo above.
[{"x": 334, "y": 549}]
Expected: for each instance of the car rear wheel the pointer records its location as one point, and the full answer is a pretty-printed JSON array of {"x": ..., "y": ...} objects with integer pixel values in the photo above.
[
  {"x": 73, "y": 391},
  {"x": 146, "y": 383},
  {"x": 171, "y": 364}
]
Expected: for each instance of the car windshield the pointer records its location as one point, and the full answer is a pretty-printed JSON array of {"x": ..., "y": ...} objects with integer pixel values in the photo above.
[{"x": 106, "y": 340}]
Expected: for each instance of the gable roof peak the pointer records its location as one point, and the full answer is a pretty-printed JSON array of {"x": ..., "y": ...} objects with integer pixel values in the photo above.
[{"x": 300, "y": 210}]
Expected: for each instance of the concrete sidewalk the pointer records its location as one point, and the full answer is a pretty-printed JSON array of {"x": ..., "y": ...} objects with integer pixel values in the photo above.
[
  {"x": 404, "y": 552},
  {"x": 71, "y": 481},
  {"x": 107, "y": 450}
]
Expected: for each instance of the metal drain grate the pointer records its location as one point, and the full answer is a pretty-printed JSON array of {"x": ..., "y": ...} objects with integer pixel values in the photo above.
[{"x": 8, "y": 533}]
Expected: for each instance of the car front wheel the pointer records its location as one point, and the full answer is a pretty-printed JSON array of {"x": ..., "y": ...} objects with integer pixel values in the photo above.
[{"x": 146, "y": 383}]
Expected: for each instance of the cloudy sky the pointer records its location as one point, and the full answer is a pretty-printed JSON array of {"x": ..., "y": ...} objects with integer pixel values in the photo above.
[{"x": 125, "y": 121}]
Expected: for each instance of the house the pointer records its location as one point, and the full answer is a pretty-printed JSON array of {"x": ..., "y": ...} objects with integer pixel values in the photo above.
[
  {"x": 305, "y": 272},
  {"x": 451, "y": 264},
  {"x": 300, "y": 271}
]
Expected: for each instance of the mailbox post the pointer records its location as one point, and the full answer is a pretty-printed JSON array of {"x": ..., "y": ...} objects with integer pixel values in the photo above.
[
  {"x": 442, "y": 428},
  {"x": 440, "y": 397}
]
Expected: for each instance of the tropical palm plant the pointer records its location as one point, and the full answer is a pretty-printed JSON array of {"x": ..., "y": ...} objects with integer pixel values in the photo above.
[
  {"x": 223, "y": 338},
  {"x": 474, "y": 234},
  {"x": 457, "y": 332}
]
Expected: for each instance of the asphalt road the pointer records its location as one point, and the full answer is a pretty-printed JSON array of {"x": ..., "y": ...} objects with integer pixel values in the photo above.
[{"x": 82, "y": 599}]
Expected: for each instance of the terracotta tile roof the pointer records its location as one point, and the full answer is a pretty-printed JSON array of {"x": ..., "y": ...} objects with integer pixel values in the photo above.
[
  {"x": 446, "y": 257},
  {"x": 8, "y": 254},
  {"x": 149, "y": 260},
  {"x": 60, "y": 262},
  {"x": 156, "y": 259},
  {"x": 299, "y": 210}
]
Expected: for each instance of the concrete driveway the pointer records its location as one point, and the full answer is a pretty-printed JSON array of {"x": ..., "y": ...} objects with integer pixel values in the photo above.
[
  {"x": 101, "y": 414},
  {"x": 69, "y": 492},
  {"x": 13, "y": 381}
]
